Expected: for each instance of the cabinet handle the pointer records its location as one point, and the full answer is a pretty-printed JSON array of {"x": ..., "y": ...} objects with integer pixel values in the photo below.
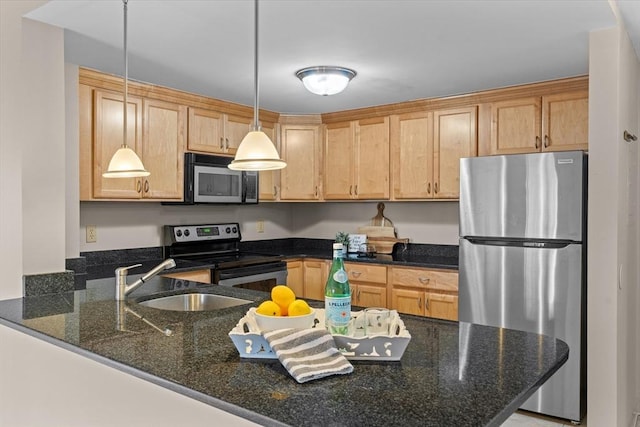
[
  {"x": 275, "y": 191},
  {"x": 358, "y": 296},
  {"x": 221, "y": 143},
  {"x": 429, "y": 188},
  {"x": 537, "y": 141},
  {"x": 146, "y": 186},
  {"x": 419, "y": 302},
  {"x": 351, "y": 190},
  {"x": 138, "y": 186},
  {"x": 435, "y": 188},
  {"x": 356, "y": 273},
  {"x": 546, "y": 141},
  {"x": 424, "y": 280},
  {"x": 226, "y": 143},
  {"x": 356, "y": 189},
  {"x": 316, "y": 191},
  {"x": 426, "y": 304}
]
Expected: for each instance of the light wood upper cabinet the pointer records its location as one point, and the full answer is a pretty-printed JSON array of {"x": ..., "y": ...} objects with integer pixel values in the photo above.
[
  {"x": 426, "y": 149},
  {"x": 156, "y": 133},
  {"x": 357, "y": 160},
  {"x": 162, "y": 149},
  {"x": 557, "y": 122},
  {"x": 454, "y": 137},
  {"x": 107, "y": 138},
  {"x": 302, "y": 150},
  {"x": 216, "y": 132},
  {"x": 269, "y": 180},
  {"x": 565, "y": 121}
]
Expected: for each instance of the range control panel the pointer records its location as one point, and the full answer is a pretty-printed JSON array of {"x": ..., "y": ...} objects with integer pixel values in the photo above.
[{"x": 201, "y": 233}]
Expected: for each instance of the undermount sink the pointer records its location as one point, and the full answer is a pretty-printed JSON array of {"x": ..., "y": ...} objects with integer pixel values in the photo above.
[{"x": 193, "y": 302}]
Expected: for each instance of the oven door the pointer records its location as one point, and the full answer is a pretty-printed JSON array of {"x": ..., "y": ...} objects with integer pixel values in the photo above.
[{"x": 261, "y": 277}]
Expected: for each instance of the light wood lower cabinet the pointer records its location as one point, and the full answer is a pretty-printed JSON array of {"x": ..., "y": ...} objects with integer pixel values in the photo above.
[
  {"x": 424, "y": 292},
  {"x": 202, "y": 276},
  {"x": 315, "y": 278},
  {"x": 295, "y": 277},
  {"x": 368, "y": 284}
]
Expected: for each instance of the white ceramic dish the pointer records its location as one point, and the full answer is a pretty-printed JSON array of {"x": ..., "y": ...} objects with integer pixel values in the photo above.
[{"x": 270, "y": 323}]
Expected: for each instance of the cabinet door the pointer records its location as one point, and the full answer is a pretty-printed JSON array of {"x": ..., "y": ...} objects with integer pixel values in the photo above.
[
  {"x": 408, "y": 301},
  {"x": 365, "y": 295},
  {"x": 235, "y": 129},
  {"x": 454, "y": 136},
  {"x": 516, "y": 126},
  {"x": 412, "y": 155},
  {"x": 315, "y": 279},
  {"x": 108, "y": 122},
  {"x": 441, "y": 306},
  {"x": 372, "y": 159},
  {"x": 269, "y": 180},
  {"x": 295, "y": 278},
  {"x": 565, "y": 121},
  {"x": 205, "y": 131},
  {"x": 338, "y": 161},
  {"x": 301, "y": 150},
  {"x": 165, "y": 128}
]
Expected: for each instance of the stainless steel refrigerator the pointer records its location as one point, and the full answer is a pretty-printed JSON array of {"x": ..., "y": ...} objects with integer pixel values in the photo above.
[{"x": 523, "y": 259}]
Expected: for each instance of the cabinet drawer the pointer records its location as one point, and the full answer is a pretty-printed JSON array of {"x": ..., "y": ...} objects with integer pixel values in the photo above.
[
  {"x": 361, "y": 272},
  {"x": 423, "y": 278}
]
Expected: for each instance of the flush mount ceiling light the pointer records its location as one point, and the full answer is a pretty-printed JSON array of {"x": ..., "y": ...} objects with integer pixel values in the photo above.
[
  {"x": 256, "y": 151},
  {"x": 325, "y": 80},
  {"x": 125, "y": 163}
]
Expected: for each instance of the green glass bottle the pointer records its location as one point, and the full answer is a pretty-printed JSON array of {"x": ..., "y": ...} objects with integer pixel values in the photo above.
[{"x": 337, "y": 295}]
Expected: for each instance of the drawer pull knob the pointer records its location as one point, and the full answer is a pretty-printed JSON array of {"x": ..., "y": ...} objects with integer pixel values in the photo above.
[{"x": 424, "y": 280}]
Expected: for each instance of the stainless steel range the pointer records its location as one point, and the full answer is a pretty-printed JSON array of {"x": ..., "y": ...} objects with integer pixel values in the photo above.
[{"x": 217, "y": 247}]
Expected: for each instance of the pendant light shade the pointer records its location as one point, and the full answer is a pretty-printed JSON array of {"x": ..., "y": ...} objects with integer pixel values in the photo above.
[
  {"x": 256, "y": 151},
  {"x": 125, "y": 163},
  {"x": 325, "y": 80}
]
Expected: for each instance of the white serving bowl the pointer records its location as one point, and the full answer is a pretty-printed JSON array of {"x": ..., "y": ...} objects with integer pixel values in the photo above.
[{"x": 271, "y": 323}]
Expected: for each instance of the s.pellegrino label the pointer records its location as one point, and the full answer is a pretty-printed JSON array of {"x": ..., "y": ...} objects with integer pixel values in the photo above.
[{"x": 337, "y": 294}]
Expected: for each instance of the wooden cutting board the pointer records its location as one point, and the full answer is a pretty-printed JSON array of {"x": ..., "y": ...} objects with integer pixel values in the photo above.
[{"x": 375, "y": 231}]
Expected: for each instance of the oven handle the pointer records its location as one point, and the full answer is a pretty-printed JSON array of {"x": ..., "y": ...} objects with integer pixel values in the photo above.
[{"x": 280, "y": 276}]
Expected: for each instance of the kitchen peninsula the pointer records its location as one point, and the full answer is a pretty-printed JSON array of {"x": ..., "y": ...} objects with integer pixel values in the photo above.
[{"x": 450, "y": 374}]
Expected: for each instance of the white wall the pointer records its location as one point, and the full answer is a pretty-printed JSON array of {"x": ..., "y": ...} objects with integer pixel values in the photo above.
[
  {"x": 613, "y": 336},
  {"x": 72, "y": 159},
  {"x": 135, "y": 225},
  {"x": 32, "y": 151}
]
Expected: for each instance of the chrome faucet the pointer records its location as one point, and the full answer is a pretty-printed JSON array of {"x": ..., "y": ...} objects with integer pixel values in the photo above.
[{"x": 122, "y": 289}]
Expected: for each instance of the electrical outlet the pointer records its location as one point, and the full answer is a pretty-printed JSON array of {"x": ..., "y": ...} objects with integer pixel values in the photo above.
[
  {"x": 260, "y": 226},
  {"x": 92, "y": 234}
]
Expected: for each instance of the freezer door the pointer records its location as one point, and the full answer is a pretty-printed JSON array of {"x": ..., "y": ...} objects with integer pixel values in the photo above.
[
  {"x": 523, "y": 196},
  {"x": 534, "y": 290}
]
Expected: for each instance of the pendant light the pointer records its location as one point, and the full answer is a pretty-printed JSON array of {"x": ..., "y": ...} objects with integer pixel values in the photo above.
[
  {"x": 125, "y": 163},
  {"x": 256, "y": 151}
]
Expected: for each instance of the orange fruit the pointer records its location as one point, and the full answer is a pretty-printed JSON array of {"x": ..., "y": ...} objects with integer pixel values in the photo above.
[
  {"x": 283, "y": 296},
  {"x": 299, "y": 307},
  {"x": 269, "y": 308}
]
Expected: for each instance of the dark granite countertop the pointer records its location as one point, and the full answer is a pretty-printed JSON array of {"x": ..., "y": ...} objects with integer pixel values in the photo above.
[{"x": 451, "y": 374}]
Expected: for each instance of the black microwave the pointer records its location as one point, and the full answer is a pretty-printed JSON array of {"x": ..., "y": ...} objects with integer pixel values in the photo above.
[{"x": 208, "y": 180}]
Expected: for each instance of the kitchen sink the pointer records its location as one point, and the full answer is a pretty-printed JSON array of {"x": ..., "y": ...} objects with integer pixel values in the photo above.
[{"x": 193, "y": 302}]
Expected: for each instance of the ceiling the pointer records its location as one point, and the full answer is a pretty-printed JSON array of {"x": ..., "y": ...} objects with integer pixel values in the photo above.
[{"x": 402, "y": 50}]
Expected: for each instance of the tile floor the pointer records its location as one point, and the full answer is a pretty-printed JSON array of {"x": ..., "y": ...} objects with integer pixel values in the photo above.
[{"x": 528, "y": 419}]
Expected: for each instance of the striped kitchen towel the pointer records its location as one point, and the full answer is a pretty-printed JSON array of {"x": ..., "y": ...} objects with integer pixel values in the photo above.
[{"x": 308, "y": 354}]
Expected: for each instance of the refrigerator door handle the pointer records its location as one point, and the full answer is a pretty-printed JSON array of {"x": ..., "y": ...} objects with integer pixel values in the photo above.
[{"x": 541, "y": 244}]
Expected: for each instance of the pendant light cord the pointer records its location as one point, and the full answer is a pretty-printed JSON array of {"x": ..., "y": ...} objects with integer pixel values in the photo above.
[
  {"x": 126, "y": 78},
  {"x": 256, "y": 125}
]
